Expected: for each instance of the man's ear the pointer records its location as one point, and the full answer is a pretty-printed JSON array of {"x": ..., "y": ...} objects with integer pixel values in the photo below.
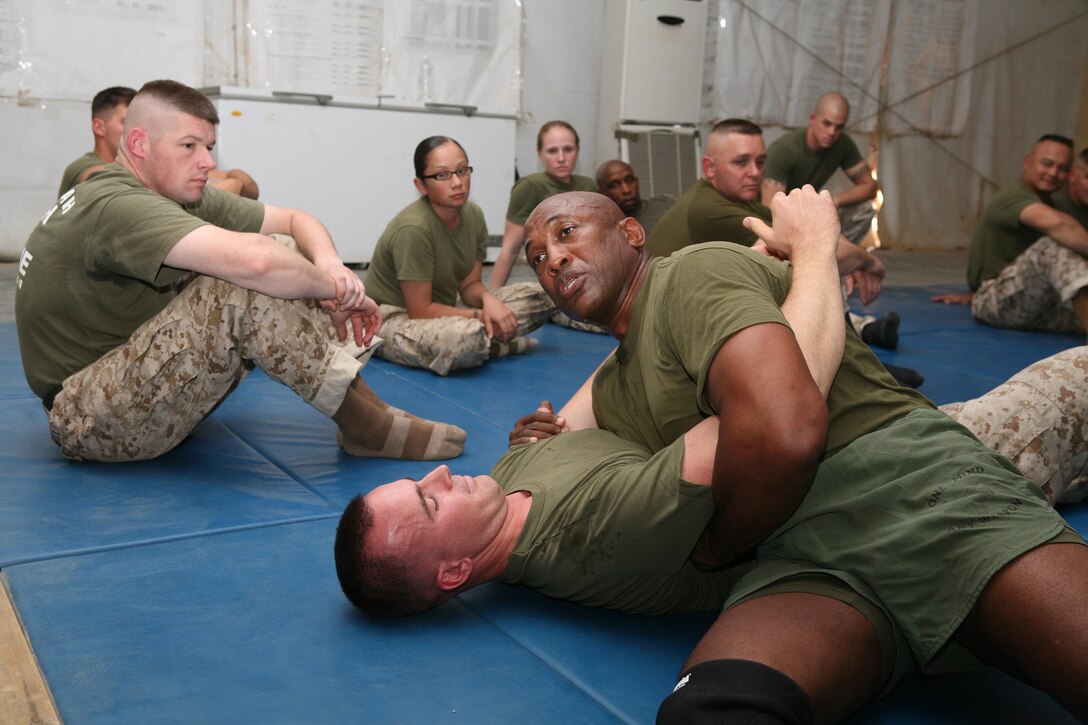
[
  {"x": 452, "y": 575},
  {"x": 137, "y": 143},
  {"x": 708, "y": 167},
  {"x": 98, "y": 127},
  {"x": 635, "y": 232}
]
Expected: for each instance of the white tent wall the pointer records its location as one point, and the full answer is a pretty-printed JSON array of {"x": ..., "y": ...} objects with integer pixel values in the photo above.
[
  {"x": 562, "y": 72},
  {"x": 950, "y": 93},
  {"x": 47, "y": 76},
  {"x": 1026, "y": 72}
]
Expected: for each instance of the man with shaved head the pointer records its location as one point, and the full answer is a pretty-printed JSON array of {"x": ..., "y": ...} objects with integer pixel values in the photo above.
[
  {"x": 860, "y": 533},
  {"x": 811, "y": 155},
  {"x": 128, "y": 362},
  {"x": 1028, "y": 268},
  {"x": 616, "y": 180}
]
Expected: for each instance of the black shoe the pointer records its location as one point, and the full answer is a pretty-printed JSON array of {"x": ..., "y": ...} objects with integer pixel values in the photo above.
[
  {"x": 882, "y": 332},
  {"x": 906, "y": 376}
]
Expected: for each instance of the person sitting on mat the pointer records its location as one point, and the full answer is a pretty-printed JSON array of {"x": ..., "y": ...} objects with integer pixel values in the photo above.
[
  {"x": 127, "y": 365},
  {"x": 1028, "y": 268},
  {"x": 715, "y": 207},
  {"x": 433, "y": 251},
  {"x": 862, "y": 533},
  {"x": 557, "y": 148},
  {"x": 617, "y": 180},
  {"x": 108, "y": 109}
]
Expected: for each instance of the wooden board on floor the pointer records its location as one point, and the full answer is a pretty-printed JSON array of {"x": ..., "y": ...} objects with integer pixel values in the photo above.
[{"x": 24, "y": 698}]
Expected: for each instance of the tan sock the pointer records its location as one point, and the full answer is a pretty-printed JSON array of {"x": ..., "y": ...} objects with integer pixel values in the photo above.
[
  {"x": 371, "y": 397},
  {"x": 516, "y": 346},
  {"x": 368, "y": 428}
]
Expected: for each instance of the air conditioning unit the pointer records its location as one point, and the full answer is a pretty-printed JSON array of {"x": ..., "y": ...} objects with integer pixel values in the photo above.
[
  {"x": 667, "y": 160},
  {"x": 651, "y": 75}
]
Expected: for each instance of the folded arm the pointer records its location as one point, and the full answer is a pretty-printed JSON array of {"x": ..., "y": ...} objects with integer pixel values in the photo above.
[
  {"x": 1059, "y": 226},
  {"x": 772, "y": 428}
]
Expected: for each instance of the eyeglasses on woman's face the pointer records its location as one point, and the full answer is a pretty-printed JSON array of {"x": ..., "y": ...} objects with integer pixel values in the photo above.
[{"x": 447, "y": 175}]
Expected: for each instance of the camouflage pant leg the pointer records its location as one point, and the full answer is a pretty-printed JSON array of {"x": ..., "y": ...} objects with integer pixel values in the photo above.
[
  {"x": 856, "y": 220},
  {"x": 438, "y": 344},
  {"x": 1034, "y": 291},
  {"x": 143, "y": 398},
  {"x": 1039, "y": 420},
  {"x": 529, "y": 303}
]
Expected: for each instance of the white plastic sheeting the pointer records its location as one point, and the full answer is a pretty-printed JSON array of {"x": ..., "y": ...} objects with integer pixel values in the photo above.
[
  {"x": 465, "y": 52},
  {"x": 952, "y": 92}
]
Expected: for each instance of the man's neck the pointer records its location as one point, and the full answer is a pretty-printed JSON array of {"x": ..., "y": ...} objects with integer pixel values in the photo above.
[
  {"x": 810, "y": 141},
  {"x": 102, "y": 151},
  {"x": 622, "y": 319},
  {"x": 491, "y": 563}
]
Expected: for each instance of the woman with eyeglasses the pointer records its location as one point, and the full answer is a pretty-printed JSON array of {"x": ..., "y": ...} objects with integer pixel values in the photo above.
[
  {"x": 557, "y": 148},
  {"x": 433, "y": 251}
]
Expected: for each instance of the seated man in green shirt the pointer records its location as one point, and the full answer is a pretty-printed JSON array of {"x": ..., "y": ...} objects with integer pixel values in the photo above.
[
  {"x": 1028, "y": 268},
  {"x": 108, "y": 109},
  {"x": 144, "y": 298},
  {"x": 714, "y": 208},
  {"x": 831, "y": 486},
  {"x": 616, "y": 180},
  {"x": 811, "y": 155}
]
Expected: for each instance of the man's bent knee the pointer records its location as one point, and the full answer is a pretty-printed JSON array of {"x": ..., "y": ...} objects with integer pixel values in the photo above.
[{"x": 735, "y": 691}]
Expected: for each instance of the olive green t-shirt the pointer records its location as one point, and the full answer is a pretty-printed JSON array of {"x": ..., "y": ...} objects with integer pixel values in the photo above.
[
  {"x": 1000, "y": 236},
  {"x": 704, "y": 214},
  {"x": 610, "y": 525},
  {"x": 791, "y": 162},
  {"x": 417, "y": 246},
  {"x": 653, "y": 389},
  {"x": 530, "y": 190},
  {"x": 92, "y": 270},
  {"x": 71, "y": 173},
  {"x": 1064, "y": 202}
]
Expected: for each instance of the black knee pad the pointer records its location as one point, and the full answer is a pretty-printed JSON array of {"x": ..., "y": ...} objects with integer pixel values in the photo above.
[{"x": 735, "y": 691}]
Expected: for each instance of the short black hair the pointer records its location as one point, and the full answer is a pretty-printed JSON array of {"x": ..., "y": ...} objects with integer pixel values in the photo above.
[
  {"x": 1083, "y": 155},
  {"x": 111, "y": 98},
  {"x": 1056, "y": 138},
  {"x": 424, "y": 149},
  {"x": 377, "y": 585}
]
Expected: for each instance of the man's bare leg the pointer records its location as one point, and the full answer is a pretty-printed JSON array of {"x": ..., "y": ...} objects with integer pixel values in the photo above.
[
  {"x": 1031, "y": 622},
  {"x": 825, "y": 646}
]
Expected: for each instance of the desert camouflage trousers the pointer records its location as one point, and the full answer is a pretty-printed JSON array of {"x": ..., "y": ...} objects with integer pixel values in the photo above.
[
  {"x": 442, "y": 344},
  {"x": 1038, "y": 419},
  {"x": 1034, "y": 291},
  {"x": 143, "y": 398}
]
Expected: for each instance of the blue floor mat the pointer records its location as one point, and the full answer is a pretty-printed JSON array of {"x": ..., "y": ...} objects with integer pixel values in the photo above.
[{"x": 200, "y": 586}]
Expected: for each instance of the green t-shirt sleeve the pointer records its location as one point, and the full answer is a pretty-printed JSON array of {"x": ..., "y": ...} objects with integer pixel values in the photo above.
[
  {"x": 1005, "y": 209},
  {"x": 137, "y": 250},
  {"x": 734, "y": 292},
  {"x": 413, "y": 254},
  {"x": 524, "y": 197}
]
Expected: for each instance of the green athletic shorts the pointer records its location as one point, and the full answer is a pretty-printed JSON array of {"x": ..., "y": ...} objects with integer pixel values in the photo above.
[{"x": 907, "y": 524}]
